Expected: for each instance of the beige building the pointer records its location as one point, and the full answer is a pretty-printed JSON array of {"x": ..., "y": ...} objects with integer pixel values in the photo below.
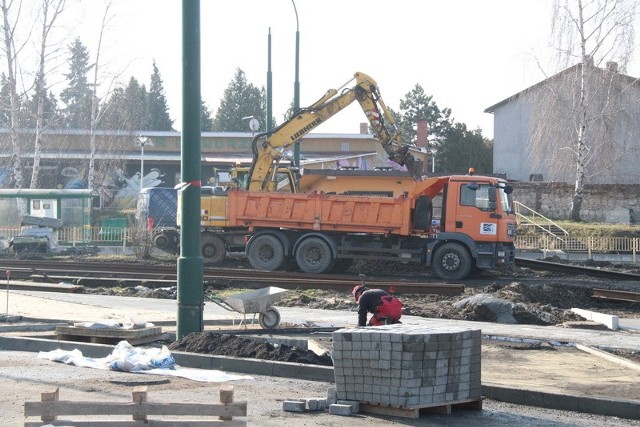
[{"x": 119, "y": 158}]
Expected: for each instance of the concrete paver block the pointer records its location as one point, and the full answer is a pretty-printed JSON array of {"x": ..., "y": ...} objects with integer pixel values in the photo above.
[
  {"x": 337, "y": 409},
  {"x": 332, "y": 396},
  {"x": 355, "y": 405},
  {"x": 293, "y": 405}
]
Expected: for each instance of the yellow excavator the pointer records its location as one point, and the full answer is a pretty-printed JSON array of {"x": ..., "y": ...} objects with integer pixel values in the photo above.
[
  {"x": 267, "y": 174},
  {"x": 269, "y": 147}
]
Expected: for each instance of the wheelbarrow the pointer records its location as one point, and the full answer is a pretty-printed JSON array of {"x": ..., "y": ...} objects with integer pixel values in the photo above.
[{"x": 254, "y": 302}]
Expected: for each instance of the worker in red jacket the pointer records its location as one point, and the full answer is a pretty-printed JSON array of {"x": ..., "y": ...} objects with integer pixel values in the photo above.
[{"x": 386, "y": 308}]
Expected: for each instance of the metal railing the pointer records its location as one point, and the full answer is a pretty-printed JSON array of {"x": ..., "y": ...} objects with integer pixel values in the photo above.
[
  {"x": 72, "y": 236},
  {"x": 528, "y": 217},
  {"x": 115, "y": 236},
  {"x": 589, "y": 244}
]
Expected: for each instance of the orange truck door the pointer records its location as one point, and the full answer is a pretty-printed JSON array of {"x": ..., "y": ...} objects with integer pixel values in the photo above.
[{"x": 470, "y": 211}]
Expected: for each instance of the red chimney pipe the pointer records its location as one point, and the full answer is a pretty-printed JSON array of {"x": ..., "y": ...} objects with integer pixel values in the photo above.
[{"x": 422, "y": 132}]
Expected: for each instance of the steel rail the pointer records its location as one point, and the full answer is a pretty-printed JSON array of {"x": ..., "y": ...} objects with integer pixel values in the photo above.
[
  {"x": 615, "y": 294},
  {"x": 119, "y": 273},
  {"x": 575, "y": 269}
]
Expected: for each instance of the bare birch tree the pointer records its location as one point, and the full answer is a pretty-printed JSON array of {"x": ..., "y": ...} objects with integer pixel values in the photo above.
[
  {"x": 95, "y": 175},
  {"x": 51, "y": 9},
  {"x": 10, "y": 18},
  {"x": 581, "y": 116},
  {"x": 95, "y": 106}
]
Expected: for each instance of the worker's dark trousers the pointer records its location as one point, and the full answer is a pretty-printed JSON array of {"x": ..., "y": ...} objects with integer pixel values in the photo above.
[{"x": 388, "y": 312}]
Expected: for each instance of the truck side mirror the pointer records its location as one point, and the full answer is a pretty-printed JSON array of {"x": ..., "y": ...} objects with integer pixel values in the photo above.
[{"x": 492, "y": 198}]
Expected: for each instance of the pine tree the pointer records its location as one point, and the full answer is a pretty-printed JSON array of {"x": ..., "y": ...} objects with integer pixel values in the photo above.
[
  {"x": 77, "y": 96},
  {"x": 241, "y": 99},
  {"x": 159, "y": 119},
  {"x": 51, "y": 112},
  {"x": 206, "y": 122},
  {"x": 417, "y": 105},
  {"x": 127, "y": 108},
  {"x": 112, "y": 110},
  {"x": 136, "y": 114},
  {"x": 462, "y": 149},
  {"x": 5, "y": 102},
  {"x": 458, "y": 148}
]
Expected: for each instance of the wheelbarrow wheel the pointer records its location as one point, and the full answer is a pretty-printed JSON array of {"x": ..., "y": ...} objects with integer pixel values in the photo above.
[{"x": 269, "y": 319}]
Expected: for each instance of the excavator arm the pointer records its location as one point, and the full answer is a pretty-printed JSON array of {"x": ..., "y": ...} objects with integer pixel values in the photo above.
[{"x": 269, "y": 147}]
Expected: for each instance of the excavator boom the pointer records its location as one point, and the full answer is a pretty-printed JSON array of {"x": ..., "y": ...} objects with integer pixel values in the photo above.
[{"x": 268, "y": 148}]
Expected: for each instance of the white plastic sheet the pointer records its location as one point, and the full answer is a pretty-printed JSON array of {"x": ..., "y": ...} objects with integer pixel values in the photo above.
[{"x": 153, "y": 361}]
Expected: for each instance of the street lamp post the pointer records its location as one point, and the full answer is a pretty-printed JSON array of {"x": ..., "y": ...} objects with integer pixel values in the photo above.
[
  {"x": 254, "y": 124},
  {"x": 296, "y": 86},
  {"x": 142, "y": 142},
  {"x": 432, "y": 147},
  {"x": 433, "y": 160}
]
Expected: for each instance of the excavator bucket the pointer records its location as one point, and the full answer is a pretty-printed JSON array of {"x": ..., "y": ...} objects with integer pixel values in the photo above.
[{"x": 415, "y": 167}]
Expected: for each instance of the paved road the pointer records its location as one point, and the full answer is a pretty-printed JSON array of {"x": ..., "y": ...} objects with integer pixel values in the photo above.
[
  {"x": 88, "y": 307},
  {"x": 26, "y": 376}
]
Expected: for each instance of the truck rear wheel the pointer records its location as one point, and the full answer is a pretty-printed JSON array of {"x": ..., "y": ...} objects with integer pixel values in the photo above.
[
  {"x": 213, "y": 249},
  {"x": 265, "y": 252},
  {"x": 313, "y": 255},
  {"x": 452, "y": 262}
]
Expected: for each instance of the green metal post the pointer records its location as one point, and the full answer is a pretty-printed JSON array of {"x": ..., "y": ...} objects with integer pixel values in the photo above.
[
  {"x": 190, "y": 263},
  {"x": 296, "y": 87},
  {"x": 269, "y": 86}
]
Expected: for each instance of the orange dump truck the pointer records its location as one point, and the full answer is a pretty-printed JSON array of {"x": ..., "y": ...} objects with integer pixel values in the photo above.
[{"x": 474, "y": 226}]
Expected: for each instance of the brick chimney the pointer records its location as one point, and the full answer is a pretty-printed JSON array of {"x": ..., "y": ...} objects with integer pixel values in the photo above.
[
  {"x": 422, "y": 132},
  {"x": 612, "y": 67},
  {"x": 364, "y": 128}
]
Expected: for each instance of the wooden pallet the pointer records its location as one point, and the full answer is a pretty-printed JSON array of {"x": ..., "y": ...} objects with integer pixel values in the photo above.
[
  {"x": 414, "y": 411},
  {"x": 49, "y": 408},
  {"x": 109, "y": 335}
]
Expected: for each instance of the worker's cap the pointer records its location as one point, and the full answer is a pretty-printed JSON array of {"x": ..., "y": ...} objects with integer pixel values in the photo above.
[{"x": 358, "y": 290}]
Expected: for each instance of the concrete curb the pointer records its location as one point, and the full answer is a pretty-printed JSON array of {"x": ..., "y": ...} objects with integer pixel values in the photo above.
[
  {"x": 599, "y": 406},
  {"x": 38, "y": 327},
  {"x": 611, "y": 322},
  {"x": 187, "y": 360},
  {"x": 592, "y": 405},
  {"x": 608, "y": 356}
]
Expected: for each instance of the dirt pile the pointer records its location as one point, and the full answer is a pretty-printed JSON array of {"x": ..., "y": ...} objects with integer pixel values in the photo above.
[
  {"x": 235, "y": 346},
  {"x": 530, "y": 303}
]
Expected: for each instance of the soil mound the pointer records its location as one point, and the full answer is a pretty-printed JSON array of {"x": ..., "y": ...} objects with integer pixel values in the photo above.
[{"x": 235, "y": 346}]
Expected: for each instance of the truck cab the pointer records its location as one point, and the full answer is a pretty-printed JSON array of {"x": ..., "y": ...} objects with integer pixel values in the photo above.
[{"x": 476, "y": 220}]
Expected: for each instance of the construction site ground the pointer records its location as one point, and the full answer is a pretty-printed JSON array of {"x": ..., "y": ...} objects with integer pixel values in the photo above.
[{"x": 521, "y": 356}]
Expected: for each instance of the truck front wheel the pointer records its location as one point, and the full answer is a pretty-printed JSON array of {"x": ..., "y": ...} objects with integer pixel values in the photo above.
[
  {"x": 452, "y": 261},
  {"x": 213, "y": 249},
  {"x": 265, "y": 252},
  {"x": 313, "y": 255}
]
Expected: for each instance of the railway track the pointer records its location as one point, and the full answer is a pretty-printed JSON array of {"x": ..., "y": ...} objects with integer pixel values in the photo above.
[
  {"x": 152, "y": 275},
  {"x": 576, "y": 270},
  {"x": 614, "y": 294},
  {"x": 100, "y": 274}
]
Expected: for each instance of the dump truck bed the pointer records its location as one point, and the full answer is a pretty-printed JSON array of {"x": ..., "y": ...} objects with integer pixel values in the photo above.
[{"x": 319, "y": 212}]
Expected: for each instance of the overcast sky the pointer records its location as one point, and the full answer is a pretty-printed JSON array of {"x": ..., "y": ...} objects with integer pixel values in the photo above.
[{"x": 468, "y": 54}]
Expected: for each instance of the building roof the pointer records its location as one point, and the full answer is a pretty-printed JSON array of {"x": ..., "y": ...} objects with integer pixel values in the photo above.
[{"x": 491, "y": 109}]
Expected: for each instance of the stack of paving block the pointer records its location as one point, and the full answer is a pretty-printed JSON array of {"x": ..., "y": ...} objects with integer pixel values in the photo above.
[{"x": 407, "y": 365}]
